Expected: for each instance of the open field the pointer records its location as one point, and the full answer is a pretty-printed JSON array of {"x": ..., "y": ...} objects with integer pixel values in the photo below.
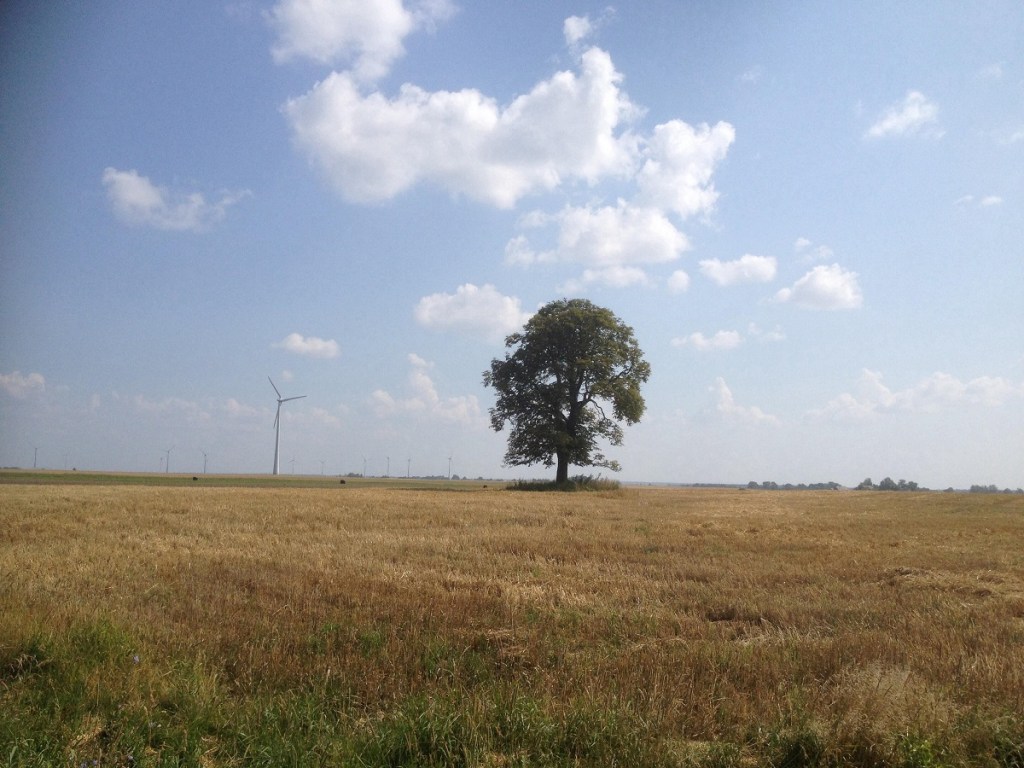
[
  {"x": 64, "y": 477},
  {"x": 368, "y": 625}
]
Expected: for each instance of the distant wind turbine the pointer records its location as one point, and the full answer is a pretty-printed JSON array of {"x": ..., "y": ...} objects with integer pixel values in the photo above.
[
  {"x": 167, "y": 467},
  {"x": 277, "y": 424}
]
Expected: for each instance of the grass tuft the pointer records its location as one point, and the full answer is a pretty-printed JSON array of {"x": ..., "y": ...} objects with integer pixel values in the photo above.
[{"x": 573, "y": 484}]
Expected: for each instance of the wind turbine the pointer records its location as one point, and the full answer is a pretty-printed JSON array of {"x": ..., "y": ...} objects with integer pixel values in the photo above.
[
  {"x": 277, "y": 423},
  {"x": 167, "y": 467}
]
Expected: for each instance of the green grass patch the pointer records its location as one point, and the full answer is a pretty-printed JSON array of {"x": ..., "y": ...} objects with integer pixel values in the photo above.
[
  {"x": 572, "y": 485},
  {"x": 95, "y": 695}
]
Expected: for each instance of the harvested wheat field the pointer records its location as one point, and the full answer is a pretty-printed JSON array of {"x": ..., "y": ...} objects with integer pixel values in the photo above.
[{"x": 487, "y": 627}]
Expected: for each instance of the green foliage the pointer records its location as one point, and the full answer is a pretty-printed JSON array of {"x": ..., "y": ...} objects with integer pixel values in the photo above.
[
  {"x": 571, "y": 362},
  {"x": 573, "y": 484},
  {"x": 918, "y": 752},
  {"x": 506, "y": 729}
]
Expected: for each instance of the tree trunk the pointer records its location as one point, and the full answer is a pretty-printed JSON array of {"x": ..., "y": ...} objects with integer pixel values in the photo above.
[{"x": 562, "y": 473}]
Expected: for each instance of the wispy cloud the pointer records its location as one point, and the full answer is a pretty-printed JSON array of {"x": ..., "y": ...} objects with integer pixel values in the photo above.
[
  {"x": 424, "y": 400},
  {"x": 191, "y": 411},
  {"x": 811, "y": 252},
  {"x": 308, "y": 346},
  {"x": 700, "y": 342},
  {"x": 475, "y": 310},
  {"x": 678, "y": 282},
  {"x": 986, "y": 201},
  {"x": 754, "y": 331},
  {"x": 19, "y": 385},
  {"x": 139, "y": 202},
  {"x": 617, "y": 276},
  {"x": 916, "y": 114},
  {"x": 940, "y": 390},
  {"x": 752, "y": 75},
  {"x": 992, "y": 72},
  {"x": 727, "y": 406}
]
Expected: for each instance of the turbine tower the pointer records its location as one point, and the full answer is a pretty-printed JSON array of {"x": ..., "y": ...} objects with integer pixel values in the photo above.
[{"x": 277, "y": 423}]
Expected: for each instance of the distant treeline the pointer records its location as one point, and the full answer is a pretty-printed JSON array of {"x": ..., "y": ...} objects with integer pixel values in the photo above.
[
  {"x": 992, "y": 489},
  {"x": 888, "y": 484},
  {"x": 769, "y": 485}
]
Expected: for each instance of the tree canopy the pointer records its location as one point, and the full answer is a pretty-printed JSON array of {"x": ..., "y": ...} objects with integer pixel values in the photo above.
[{"x": 572, "y": 375}]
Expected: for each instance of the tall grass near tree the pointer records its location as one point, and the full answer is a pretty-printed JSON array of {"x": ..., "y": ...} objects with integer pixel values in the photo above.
[{"x": 367, "y": 626}]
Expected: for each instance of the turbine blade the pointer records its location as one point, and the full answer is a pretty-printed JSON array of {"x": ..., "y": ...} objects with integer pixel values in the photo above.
[
  {"x": 274, "y": 386},
  {"x": 285, "y": 400}
]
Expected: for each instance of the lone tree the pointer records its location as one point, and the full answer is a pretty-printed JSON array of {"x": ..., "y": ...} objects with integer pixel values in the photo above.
[{"x": 571, "y": 362}]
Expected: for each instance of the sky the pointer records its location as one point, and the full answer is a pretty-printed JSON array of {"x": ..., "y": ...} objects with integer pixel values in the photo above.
[{"x": 810, "y": 213}]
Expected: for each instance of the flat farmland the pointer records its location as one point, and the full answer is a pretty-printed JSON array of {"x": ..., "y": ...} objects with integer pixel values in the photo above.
[{"x": 478, "y": 626}]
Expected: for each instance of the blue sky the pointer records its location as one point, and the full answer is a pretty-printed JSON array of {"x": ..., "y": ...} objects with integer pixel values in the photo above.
[{"x": 810, "y": 214}]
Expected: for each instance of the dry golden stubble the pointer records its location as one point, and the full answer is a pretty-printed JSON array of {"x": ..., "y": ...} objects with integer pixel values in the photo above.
[{"x": 706, "y": 607}]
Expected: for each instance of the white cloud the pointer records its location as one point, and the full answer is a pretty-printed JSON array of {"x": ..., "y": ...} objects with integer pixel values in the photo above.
[
  {"x": 323, "y": 416},
  {"x": 752, "y": 75},
  {"x": 915, "y": 114},
  {"x": 678, "y": 282},
  {"x": 191, "y": 411},
  {"x": 702, "y": 343},
  {"x": 239, "y": 410},
  {"x": 934, "y": 393},
  {"x": 678, "y": 164},
  {"x": 727, "y": 406},
  {"x": 812, "y": 252},
  {"x": 137, "y": 201},
  {"x": 369, "y": 36},
  {"x": 612, "y": 277},
  {"x": 372, "y": 147},
  {"x": 605, "y": 237},
  {"x": 755, "y": 332},
  {"x": 479, "y": 311},
  {"x": 746, "y": 269},
  {"x": 824, "y": 287},
  {"x": 424, "y": 400},
  {"x": 992, "y": 72},
  {"x": 576, "y": 28},
  {"x": 308, "y": 346},
  {"x": 970, "y": 201},
  {"x": 20, "y": 386}
]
